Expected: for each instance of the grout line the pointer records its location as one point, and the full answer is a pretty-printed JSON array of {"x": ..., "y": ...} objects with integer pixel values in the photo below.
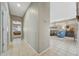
[{"x": 44, "y": 51}]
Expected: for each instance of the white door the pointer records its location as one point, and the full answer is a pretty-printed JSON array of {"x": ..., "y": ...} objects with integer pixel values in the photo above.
[{"x": 4, "y": 30}]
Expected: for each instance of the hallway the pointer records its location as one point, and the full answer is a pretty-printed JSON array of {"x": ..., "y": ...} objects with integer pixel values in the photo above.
[
  {"x": 25, "y": 22},
  {"x": 39, "y": 29}
]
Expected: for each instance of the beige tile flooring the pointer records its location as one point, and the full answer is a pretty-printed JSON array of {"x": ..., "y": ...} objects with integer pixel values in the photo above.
[
  {"x": 20, "y": 48},
  {"x": 58, "y": 47},
  {"x": 62, "y": 47}
]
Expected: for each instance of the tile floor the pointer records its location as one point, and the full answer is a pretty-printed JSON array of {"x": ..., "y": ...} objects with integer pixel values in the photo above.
[
  {"x": 62, "y": 47},
  {"x": 58, "y": 47},
  {"x": 20, "y": 48}
]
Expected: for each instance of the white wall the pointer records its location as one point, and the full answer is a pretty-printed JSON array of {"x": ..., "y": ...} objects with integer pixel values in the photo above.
[
  {"x": 36, "y": 26},
  {"x": 44, "y": 22},
  {"x": 62, "y": 11},
  {"x": 31, "y": 26},
  {"x": 9, "y": 24}
]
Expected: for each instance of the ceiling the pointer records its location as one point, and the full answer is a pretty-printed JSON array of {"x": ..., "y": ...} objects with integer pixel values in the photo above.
[{"x": 18, "y": 8}]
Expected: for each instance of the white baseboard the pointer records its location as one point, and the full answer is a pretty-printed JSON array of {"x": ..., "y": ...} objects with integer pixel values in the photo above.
[
  {"x": 44, "y": 51},
  {"x": 30, "y": 46}
]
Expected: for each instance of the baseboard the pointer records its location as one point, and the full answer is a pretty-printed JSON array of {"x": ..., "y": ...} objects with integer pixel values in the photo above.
[
  {"x": 39, "y": 54},
  {"x": 30, "y": 46},
  {"x": 44, "y": 51}
]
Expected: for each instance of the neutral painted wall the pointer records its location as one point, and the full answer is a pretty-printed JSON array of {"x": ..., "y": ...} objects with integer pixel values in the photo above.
[
  {"x": 31, "y": 26},
  {"x": 62, "y": 11},
  {"x": 9, "y": 24},
  {"x": 44, "y": 22},
  {"x": 36, "y": 26}
]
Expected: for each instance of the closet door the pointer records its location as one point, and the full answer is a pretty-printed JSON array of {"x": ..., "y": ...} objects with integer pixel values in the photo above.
[{"x": 4, "y": 27}]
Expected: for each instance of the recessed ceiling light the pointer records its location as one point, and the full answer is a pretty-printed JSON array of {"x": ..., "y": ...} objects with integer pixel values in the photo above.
[{"x": 18, "y": 5}]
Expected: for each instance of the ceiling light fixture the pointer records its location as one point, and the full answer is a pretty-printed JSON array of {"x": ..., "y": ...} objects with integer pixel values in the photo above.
[{"x": 18, "y": 5}]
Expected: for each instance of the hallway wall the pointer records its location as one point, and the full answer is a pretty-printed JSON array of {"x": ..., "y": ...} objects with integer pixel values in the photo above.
[
  {"x": 44, "y": 23},
  {"x": 36, "y": 26},
  {"x": 31, "y": 26},
  {"x": 9, "y": 24}
]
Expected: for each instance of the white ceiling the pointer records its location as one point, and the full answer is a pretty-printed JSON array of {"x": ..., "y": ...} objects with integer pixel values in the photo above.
[{"x": 18, "y": 11}]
